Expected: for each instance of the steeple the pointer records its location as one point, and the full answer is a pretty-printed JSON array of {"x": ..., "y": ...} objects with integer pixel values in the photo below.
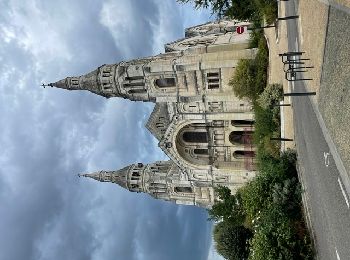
[
  {"x": 108, "y": 81},
  {"x": 119, "y": 177},
  {"x": 89, "y": 81},
  {"x": 161, "y": 180}
]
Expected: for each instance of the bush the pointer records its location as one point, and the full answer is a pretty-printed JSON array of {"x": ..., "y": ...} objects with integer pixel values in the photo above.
[
  {"x": 266, "y": 212},
  {"x": 271, "y": 96},
  {"x": 232, "y": 241},
  {"x": 275, "y": 237},
  {"x": 261, "y": 62},
  {"x": 228, "y": 208},
  {"x": 250, "y": 77},
  {"x": 264, "y": 124},
  {"x": 287, "y": 195},
  {"x": 243, "y": 81}
]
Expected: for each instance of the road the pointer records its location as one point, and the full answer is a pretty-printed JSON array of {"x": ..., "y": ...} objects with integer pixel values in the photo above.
[{"x": 326, "y": 197}]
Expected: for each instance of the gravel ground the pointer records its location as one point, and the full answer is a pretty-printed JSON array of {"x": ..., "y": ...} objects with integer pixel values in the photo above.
[
  {"x": 343, "y": 2},
  {"x": 313, "y": 26},
  {"x": 334, "y": 97}
]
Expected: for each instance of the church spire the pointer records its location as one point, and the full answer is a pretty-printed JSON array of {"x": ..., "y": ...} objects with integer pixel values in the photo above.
[
  {"x": 88, "y": 82},
  {"x": 119, "y": 177},
  {"x": 108, "y": 81}
]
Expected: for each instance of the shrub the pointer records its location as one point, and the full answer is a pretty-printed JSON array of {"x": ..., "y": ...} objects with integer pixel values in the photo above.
[
  {"x": 261, "y": 62},
  {"x": 228, "y": 208},
  {"x": 250, "y": 77},
  {"x": 272, "y": 95},
  {"x": 264, "y": 124},
  {"x": 243, "y": 81},
  {"x": 270, "y": 11},
  {"x": 232, "y": 241},
  {"x": 275, "y": 237},
  {"x": 287, "y": 195}
]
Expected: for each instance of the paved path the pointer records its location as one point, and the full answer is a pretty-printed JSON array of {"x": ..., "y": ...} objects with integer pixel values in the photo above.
[{"x": 326, "y": 197}]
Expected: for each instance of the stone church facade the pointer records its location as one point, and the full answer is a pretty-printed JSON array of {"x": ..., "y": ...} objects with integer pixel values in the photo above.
[{"x": 200, "y": 124}]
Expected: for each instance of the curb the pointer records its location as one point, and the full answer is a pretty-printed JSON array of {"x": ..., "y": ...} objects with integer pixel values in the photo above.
[{"x": 306, "y": 208}]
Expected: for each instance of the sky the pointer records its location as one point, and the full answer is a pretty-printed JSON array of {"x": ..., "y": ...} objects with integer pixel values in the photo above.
[{"x": 49, "y": 135}]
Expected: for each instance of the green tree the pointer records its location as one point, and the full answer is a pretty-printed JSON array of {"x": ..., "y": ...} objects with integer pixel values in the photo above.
[
  {"x": 228, "y": 208},
  {"x": 264, "y": 123},
  {"x": 238, "y": 9},
  {"x": 243, "y": 81},
  {"x": 232, "y": 241},
  {"x": 275, "y": 237},
  {"x": 272, "y": 95},
  {"x": 287, "y": 195}
]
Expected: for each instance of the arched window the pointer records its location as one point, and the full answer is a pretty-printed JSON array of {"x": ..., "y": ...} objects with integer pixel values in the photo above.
[
  {"x": 195, "y": 137},
  {"x": 165, "y": 82},
  {"x": 183, "y": 189},
  {"x": 243, "y": 154},
  {"x": 201, "y": 151},
  {"x": 241, "y": 137}
]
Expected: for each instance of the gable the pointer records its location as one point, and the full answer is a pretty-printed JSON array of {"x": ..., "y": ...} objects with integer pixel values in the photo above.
[{"x": 159, "y": 120}]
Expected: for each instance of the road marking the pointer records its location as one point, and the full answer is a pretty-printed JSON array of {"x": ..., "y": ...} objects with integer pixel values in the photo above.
[
  {"x": 344, "y": 194},
  {"x": 296, "y": 44},
  {"x": 336, "y": 251},
  {"x": 326, "y": 158}
]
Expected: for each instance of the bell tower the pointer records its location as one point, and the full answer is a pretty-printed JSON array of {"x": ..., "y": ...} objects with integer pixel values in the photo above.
[
  {"x": 162, "y": 180},
  {"x": 108, "y": 81}
]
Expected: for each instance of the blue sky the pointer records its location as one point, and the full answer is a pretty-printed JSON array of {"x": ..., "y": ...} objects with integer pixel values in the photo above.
[{"x": 50, "y": 135}]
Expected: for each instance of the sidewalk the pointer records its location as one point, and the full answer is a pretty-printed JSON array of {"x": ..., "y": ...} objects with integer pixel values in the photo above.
[
  {"x": 325, "y": 39},
  {"x": 276, "y": 75}
]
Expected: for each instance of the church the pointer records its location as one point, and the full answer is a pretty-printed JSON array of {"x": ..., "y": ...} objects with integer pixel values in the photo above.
[{"x": 204, "y": 129}]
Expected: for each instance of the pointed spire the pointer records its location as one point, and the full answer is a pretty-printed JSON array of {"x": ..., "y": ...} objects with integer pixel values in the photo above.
[
  {"x": 109, "y": 80},
  {"x": 119, "y": 177},
  {"x": 85, "y": 82},
  {"x": 102, "y": 176}
]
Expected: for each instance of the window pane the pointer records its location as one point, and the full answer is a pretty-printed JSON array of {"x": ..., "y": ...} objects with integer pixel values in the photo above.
[
  {"x": 213, "y": 74},
  {"x": 134, "y": 78},
  {"x": 201, "y": 151},
  {"x": 183, "y": 189},
  {"x": 195, "y": 137},
  {"x": 241, "y": 154},
  {"x": 165, "y": 82},
  {"x": 213, "y": 86},
  {"x": 213, "y": 80},
  {"x": 242, "y": 122},
  {"x": 134, "y": 91},
  {"x": 241, "y": 137}
]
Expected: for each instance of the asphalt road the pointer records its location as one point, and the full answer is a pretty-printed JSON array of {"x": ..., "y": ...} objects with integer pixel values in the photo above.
[{"x": 326, "y": 198}]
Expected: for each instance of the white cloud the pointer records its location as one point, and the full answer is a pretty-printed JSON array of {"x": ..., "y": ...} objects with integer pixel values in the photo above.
[
  {"x": 32, "y": 30},
  {"x": 118, "y": 17},
  {"x": 50, "y": 135}
]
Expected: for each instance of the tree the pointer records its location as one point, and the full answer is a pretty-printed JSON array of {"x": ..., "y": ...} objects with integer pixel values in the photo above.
[
  {"x": 228, "y": 208},
  {"x": 272, "y": 95},
  {"x": 238, "y": 9},
  {"x": 232, "y": 241},
  {"x": 275, "y": 238},
  {"x": 287, "y": 195},
  {"x": 243, "y": 81}
]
